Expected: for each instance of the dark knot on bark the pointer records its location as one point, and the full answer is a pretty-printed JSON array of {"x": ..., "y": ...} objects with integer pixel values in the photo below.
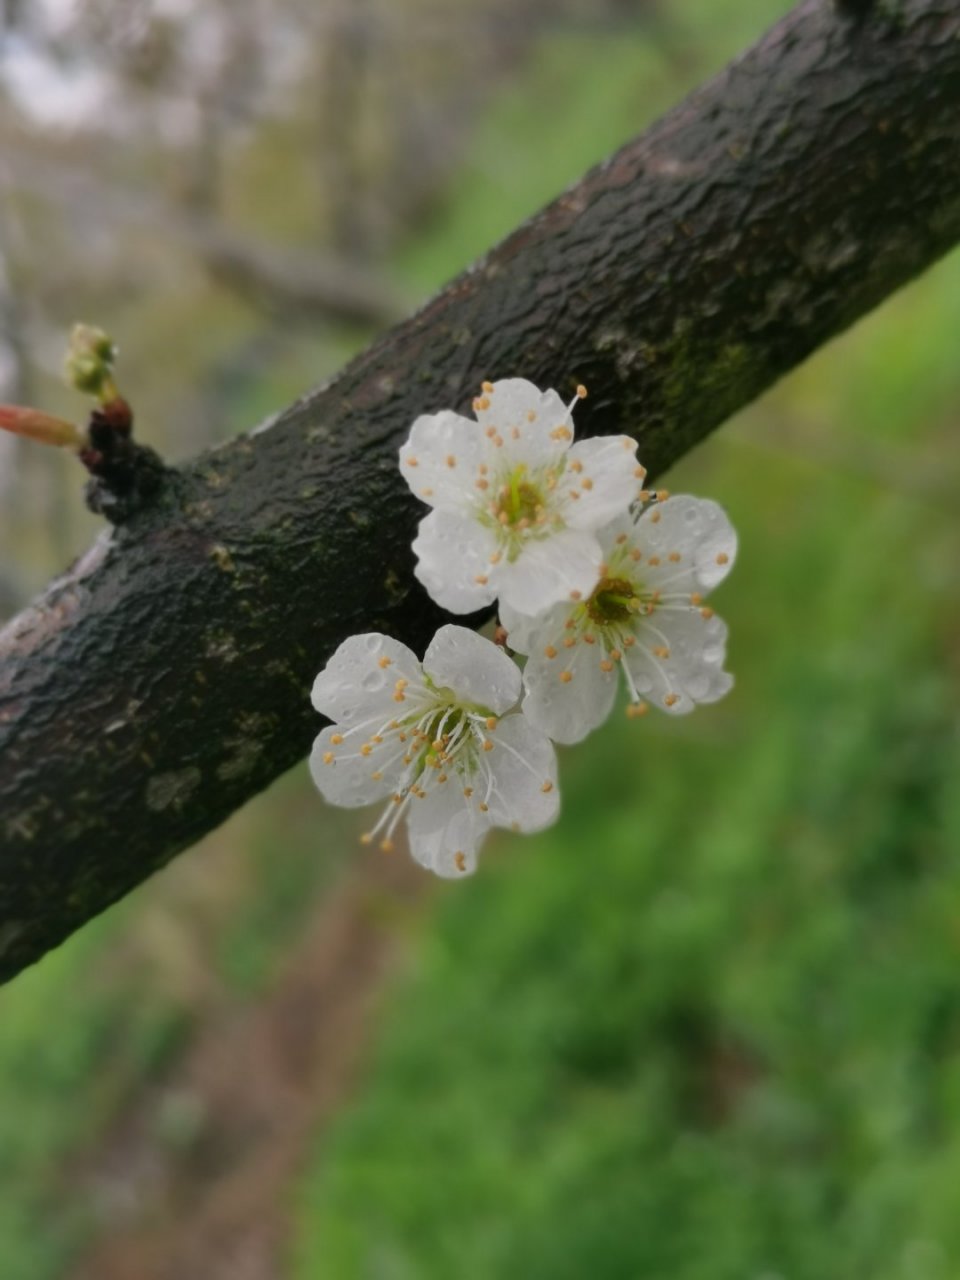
[{"x": 125, "y": 476}]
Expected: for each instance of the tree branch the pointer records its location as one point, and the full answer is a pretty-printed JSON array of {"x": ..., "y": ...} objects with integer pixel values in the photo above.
[{"x": 163, "y": 681}]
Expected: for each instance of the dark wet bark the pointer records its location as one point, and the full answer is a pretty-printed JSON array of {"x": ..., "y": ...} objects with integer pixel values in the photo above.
[{"x": 163, "y": 681}]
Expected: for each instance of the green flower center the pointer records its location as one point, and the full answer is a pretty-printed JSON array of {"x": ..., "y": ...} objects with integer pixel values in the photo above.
[
  {"x": 519, "y": 502},
  {"x": 612, "y": 600}
]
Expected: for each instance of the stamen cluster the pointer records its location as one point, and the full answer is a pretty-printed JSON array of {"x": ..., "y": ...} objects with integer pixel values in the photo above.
[{"x": 596, "y": 577}]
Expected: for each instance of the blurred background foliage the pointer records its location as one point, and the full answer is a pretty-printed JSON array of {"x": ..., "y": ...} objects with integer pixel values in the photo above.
[{"x": 708, "y": 1027}]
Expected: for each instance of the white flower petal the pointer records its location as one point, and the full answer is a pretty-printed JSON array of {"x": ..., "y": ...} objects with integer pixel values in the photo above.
[
  {"x": 453, "y": 551},
  {"x": 549, "y": 570},
  {"x": 475, "y": 669},
  {"x": 523, "y": 764},
  {"x": 344, "y": 776},
  {"x": 697, "y": 530},
  {"x": 692, "y": 672},
  {"x": 445, "y": 829},
  {"x": 534, "y": 425},
  {"x": 567, "y": 709},
  {"x": 524, "y": 631},
  {"x": 605, "y": 485},
  {"x": 440, "y": 458},
  {"x": 360, "y": 677}
]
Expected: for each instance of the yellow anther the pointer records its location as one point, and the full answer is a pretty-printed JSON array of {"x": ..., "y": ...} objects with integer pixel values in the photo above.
[
  {"x": 654, "y": 517},
  {"x": 411, "y": 462},
  {"x": 640, "y": 473},
  {"x": 460, "y": 861},
  {"x": 514, "y": 433},
  {"x": 636, "y": 555},
  {"x": 654, "y": 560},
  {"x": 491, "y": 432},
  {"x": 643, "y": 495},
  {"x": 586, "y": 482},
  {"x": 487, "y": 744},
  {"x": 482, "y": 484},
  {"x": 426, "y": 493},
  {"x": 671, "y": 699},
  {"x": 566, "y": 677},
  {"x": 581, "y": 391},
  {"x": 575, "y": 495},
  {"x": 616, "y": 655},
  {"x": 386, "y": 846},
  {"x": 468, "y": 792},
  {"x": 588, "y": 638},
  {"x": 722, "y": 558},
  {"x": 661, "y": 651},
  {"x": 696, "y": 598},
  {"x": 483, "y": 403},
  {"x": 400, "y": 697},
  {"x": 336, "y": 739},
  {"x": 366, "y": 838},
  {"x": 547, "y": 787},
  {"x": 629, "y": 641},
  {"x": 621, "y": 539},
  {"x": 366, "y": 749},
  {"x": 570, "y": 624},
  {"x": 706, "y": 613},
  {"x": 384, "y": 662},
  {"x": 377, "y": 776},
  {"x": 491, "y": 722},
  {"x": 487, "y": 387},
  {"x": 550, "y": 651},
  {"x": 561, "y": 433},
  {"x": 637, "y": 709},
  {"x": 483, "y": 469},
  {"x": 606, "y": 665},
  {"x": 441, "y": 777},
  {"x": 674, "y": 557},
  {"x": 576, "y": 595},
  {"x": 576, "y": 466},
  {"x": 569, "y": 642},
  {"x": 531, "y": 416},
  {"x": 496, "y": 557},
  {"x": 484, "y": 808},
  {"x": 451, "y": 460},
  {"x": 397, "y": 798},
  {"x": 663, "y": 495},
  {"x": 328, "y": 757},
  {"x": 482, "y": 579},
  {"x": 376, "y": 738}
]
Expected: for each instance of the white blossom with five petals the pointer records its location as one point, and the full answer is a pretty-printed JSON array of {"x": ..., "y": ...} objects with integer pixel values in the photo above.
[
  {"x": 437, "y": 740},
  {"x": 516, "y": 504},
  {"x": 645, "y": 618}
]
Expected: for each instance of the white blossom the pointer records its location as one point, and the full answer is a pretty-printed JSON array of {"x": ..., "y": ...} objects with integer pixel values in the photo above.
[
  {"x": 516, "y": 504},
  {"x": 438, "y": 741},
  {"x": 646, "y": 619}
]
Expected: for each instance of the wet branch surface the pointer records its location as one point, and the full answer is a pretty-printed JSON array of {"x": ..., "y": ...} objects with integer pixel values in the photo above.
[{"x": 163, "y": 680}]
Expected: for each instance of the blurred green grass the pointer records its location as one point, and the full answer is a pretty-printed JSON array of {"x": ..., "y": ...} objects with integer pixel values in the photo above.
[{"x": 709, "y": 1025}]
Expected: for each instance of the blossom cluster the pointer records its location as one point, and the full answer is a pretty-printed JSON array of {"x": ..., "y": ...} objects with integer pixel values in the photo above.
[{"x": 597, "y": 579}]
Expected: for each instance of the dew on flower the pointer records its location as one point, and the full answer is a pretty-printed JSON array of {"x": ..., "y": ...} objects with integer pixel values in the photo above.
[
  {"x": 458, "y": 721},
  {"x": 500, "y": 490},
  {"x": 645, "y": 618}
]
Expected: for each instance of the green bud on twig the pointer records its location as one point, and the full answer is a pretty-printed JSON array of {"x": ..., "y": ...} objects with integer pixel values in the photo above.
[{"x": 89, "y": 362}]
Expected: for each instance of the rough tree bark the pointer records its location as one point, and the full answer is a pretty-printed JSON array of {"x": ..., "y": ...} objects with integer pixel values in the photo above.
[{"x": 163, "y": 680}]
